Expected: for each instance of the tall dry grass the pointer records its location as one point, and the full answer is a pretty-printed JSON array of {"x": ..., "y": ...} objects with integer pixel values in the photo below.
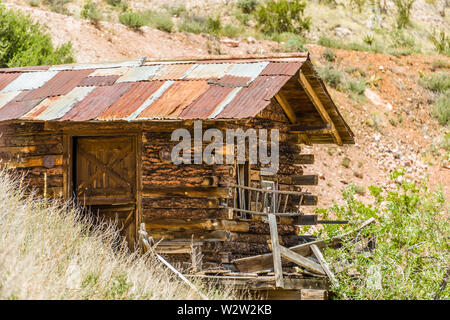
[{"x": 48, "y": 251}]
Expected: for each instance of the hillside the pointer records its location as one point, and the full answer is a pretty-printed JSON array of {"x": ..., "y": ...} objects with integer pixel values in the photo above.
[{"x": 390, "y": 114}]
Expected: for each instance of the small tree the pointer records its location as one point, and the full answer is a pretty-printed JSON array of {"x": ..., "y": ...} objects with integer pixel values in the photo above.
[{"x": 24, "y": 43}]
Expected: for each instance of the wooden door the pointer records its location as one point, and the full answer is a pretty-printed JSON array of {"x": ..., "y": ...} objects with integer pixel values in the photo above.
[{"x": 105, "y": 179}]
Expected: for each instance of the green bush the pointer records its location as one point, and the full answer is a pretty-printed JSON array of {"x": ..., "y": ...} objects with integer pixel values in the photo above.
[
  {"x": 114, "y": 3},
  {"x": 403, "y": 12},
  {"x": 441, "y": 42},
  {"x": 293, "y": 45},
  {"x": 247, "y": 6},
  {"x": 283, "y": 16},
  {"x": 357, "y": 87},
  {"x": 24, "y": 43},
  {"x": 231, "y": 31},
  {"x": 159, "y": 20},
  {"x": 58, "y": 6},
  {"x": 331, "y": 76},
  {"x": 438, "y": 83},
  {"x": 329, "y": 55},
  {"x": 193, "y": 23},
  {"x": 175, "y": 10},
  {"x": 410, "y": 255},
  {"x": 133, "y": 20},
  {"x": 441, "y": 108},
  {"x": 375, "y": 46},
  {"x": 91, "y": 12}
]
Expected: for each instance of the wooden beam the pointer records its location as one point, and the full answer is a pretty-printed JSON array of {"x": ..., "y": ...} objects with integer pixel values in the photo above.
[
  {"x": 286, "y": 107},
  {"x": 304, "y": 158},
  {"x": 319, "y": 106},
  {"x": 300, "y": 260},
  {"x": 305, "y": 128},
  {"x": 305, "y": 180},
  {"x": 315, "y": 249},
  {"x": 313, "y": 294},
  {"x": 277, "y": 267}
]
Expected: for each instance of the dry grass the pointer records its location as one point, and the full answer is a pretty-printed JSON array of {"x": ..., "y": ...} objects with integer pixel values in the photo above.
[{"x": 47, "y": 251}]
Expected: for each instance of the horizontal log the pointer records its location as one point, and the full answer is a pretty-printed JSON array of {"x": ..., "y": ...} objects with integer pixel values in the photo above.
[
  {"x": 305, "y": 180},
  {"x": 176, "y": 181},
  {"x": 195, "y": 234},
  {"x": 201, "y": 192},
  {"x": 180, "y": 203},
  {"x": 304, "y": 158},
  {"x": 37, "y": 161},
  {"x": 184, "y": 213}
]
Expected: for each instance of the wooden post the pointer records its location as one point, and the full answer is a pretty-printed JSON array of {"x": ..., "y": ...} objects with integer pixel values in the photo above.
[
  {"x": 277, "y": 267},
  {"x": 315, "y": 249}
]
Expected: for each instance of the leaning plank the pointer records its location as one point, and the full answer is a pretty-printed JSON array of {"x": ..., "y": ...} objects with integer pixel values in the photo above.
[
  {"x": 276, "y": 251},
  {"x": 301, "y": 260},
  {"x": 324, "y": 264},
  {"x": 264, "y": 261}
]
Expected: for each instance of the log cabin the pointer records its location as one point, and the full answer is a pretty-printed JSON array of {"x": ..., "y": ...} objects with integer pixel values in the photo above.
[{"x": 101, "y": 134}]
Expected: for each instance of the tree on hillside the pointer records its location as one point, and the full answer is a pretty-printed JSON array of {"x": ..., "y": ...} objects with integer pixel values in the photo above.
[{"x": 24, "y": 43}]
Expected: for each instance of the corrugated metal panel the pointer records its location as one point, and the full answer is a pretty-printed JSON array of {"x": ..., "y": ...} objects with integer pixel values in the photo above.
[
  {"x": 60, "y": 84},
  {"x": 208, "y": 71},
  {"x": 16, "y": 109},
  {"x": 129, "y": 63},
  {"x": 98, "y": 81},
  {"x": 110, "y": 72},
  {"x": 174, "y": 100},
  {"x": 251, "y": 70},
  {"x": 37, "y": 110},
  {"x": 130, "y": 101},
  {"x": 282, "y": 68},
  {"x": 7, "y": 78},
  {"x": 225, "y": 102},
  {"x": 7, "y": 97},
  {"x": 30, "y": 80},
  {"x": 171, "y": 71},
  {"x": 139, "y": 74},
  {"x": 232, "y": 81},
  {"x": 96, "y": 102},
  {"x": 56, "y": 107},
  {"x": 253, "y": 99},
  {"x": 24, "y": 69},
  {"x": 155, "y": 96},
  {"x": 206, "y": 103}
]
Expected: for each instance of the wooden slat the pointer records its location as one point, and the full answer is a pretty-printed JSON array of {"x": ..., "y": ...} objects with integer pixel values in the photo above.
[
  {"x": 323, "y": 263},
  {"x": 320, "y": 107},
  {"x": 305, "y": 180},
  {"x": 276, "y": 251},
  {"x": 304, "y": 158},
  {"x": 286, "y": 107},
  {"x": 300, "y": 260}
]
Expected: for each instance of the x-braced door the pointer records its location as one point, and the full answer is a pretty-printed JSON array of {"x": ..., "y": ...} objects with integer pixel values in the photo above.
[{"x": 105, "y": 179}]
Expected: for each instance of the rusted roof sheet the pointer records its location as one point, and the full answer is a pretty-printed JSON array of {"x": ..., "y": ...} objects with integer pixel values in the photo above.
[
  {"x": 101, "y": 65},
  {"x": 130, "y": 101},
  {"x": 16, "y": 109},
  {"x": 6, "y": 97},
  {"x": 251, "y": 100},
  {"x": 7, "y": 78},
  {"x": 232, "y": 81},
  {"x": 139, "y": 74},
  {"x": 281, "y": 68},
  {"x": 173, "y": 101},
  {"x": 30, "y": 80},
  {"x": 99, "y": 81},
  {"x": 24, "y": 69},
  {"x": 96, "y": 102},
  {"x": 172, "y": 71},
  {"x": 60, "y": 84},
  {"x": 208, "y": 71}
]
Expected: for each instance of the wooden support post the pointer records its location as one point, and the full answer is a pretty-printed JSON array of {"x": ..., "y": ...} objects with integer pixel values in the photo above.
[
  {"x": 315, "y": 249},
  {"x": 300, "y": 260},
  {"x": 277, "y": 267}
]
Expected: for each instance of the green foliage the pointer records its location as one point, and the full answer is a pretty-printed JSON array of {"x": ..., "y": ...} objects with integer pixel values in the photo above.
[
  {"x": 329, "y": 55},
  {"x": 331, "y": 76},
  {"x": 214, "y": 25},
  {"x": 58, "y": 6},
  {"x": 358, "y": 4},
  {"x": 91, "y": 12},
  {"x": 441, "y": 42},
  {"x": 441, "y": 108},
  {"x": 411, "y": 253},
  {"x": 193, "y": 23},
  {"x": 175, "y": 10},
  {"x": 293, "y": 45},
  {"x": 375, "y": 46},
  {"x": 34, "y": 3},
  {"x": 231, "y": 31},
  {"x": 24, "y": 43},
  {"x": 403, "y": 12},
  {"x": 133, "y": 20},
  {"x": 357, "y": 87},
  {"x": 283, "y": 16},
  {"x": 346, "y": 162},
  {"x": 247, "y": 6},
  {"x": 114, "y": 3},
  {"x": 159, "y": 20},
  {"x": 438, "y": 83}
]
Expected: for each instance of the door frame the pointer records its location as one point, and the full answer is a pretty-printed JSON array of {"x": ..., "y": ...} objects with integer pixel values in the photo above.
[{"x": 68, "y": 165}]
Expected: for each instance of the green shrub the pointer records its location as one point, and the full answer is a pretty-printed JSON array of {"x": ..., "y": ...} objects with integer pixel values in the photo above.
[
  {"x": 410, "y": 256},
  {"x": 114, "y": 3},
  {"x": 438, "y": 83},
  {"x": 357, "y": 87},
  {"x": 331, "y": 76},
  {"x": 193, "y": 23},
  {"x": 214, "y": 25},
  {"x": 231, "y": 31},
  {"x": 329, "y": 55},
  {"x": 159, "y": 20},
  {"x": 91, "y": 12},
  {"x": 133, "y": 20},
  {"x": 34, "y": 3},
  {"x": 58, "y": 6},
  {"x": 175, "y": 10},
  {"x": 282, "y": 16},
  {"x": 375, "y": 46},
  {"x": 293, "y": 45},
  {"x": 403, "y": 12},
  {"x": 441, "y": 42},
  {"x": 24, "y": 43},
  {"x": 247, "y": 6},
  {"x": 346, "y": 162},
  {"x": 441, "y": 108}
]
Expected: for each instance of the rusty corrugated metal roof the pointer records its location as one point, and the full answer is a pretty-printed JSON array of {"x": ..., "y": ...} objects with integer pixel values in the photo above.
[{"x": 229, "y": 87}]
